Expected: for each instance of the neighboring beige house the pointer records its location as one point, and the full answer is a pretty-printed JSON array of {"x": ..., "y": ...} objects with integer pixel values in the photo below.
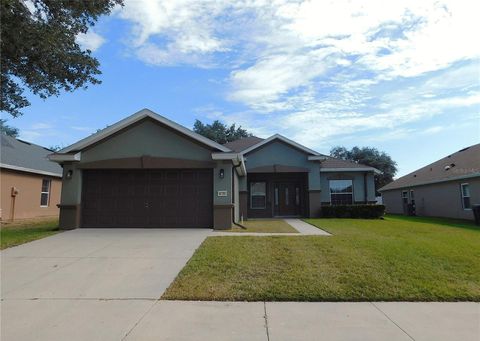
[
  {"x": 448, "y": 187},
  {"x": 30, "y": 183}
]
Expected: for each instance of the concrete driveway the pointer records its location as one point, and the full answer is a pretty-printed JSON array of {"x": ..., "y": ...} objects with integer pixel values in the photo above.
[{"x": 89, "y": 284}]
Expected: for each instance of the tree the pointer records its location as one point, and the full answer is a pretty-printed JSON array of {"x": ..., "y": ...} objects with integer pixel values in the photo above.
[
  {"x": 55, "y": 148},
  {"x": 8, "y": 130},
  {"x": 371, "y": 157},
  {"x": 219, "y": 132},
  {"x": 39, "y": 50}
]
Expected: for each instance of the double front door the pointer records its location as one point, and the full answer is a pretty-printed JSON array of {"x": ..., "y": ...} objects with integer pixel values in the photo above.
[{"x": 287, "y": 199}]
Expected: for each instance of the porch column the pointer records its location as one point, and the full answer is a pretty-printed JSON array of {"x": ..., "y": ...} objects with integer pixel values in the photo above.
[
  {"x": 314, "y": 191},
  {"x": 71, "y": 198},
  {"x": 222, "y": 195}
]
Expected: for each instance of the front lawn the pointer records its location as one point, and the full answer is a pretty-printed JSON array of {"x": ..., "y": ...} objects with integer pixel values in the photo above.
[
  {"x": 396, "y": 259},
  {"x": 12, "y": 234},
  {"x": 265, "y": 226}
]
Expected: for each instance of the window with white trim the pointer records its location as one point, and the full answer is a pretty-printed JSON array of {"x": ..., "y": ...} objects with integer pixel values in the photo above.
[
  {"x": 405, "y": 197},
  {"x": 45, "y": 193},
  {"x": 465, "y": 190},
  {"x": 258, "y": 195},
  {"x": 341, "y": 192}
]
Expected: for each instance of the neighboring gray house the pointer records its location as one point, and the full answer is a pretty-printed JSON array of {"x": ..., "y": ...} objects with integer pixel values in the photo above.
[
  {"x": 147, "y": 171},
  {"x": 446, "y": 188}
]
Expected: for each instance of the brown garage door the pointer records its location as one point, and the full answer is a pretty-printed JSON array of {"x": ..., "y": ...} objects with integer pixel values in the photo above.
[{"x": 147, "y": 198}]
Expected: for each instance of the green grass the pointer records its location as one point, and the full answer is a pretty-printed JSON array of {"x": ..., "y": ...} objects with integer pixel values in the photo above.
[
  {"x": 265, "y": 226},
  {"x": 17, "y": 233},
  {"x": 396, "y": 259}
]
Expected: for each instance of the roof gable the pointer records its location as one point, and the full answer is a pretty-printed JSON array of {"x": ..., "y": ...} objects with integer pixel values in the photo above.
[
  {"x": 140, "y": 115},
  {"x": 282, "y": 139}
]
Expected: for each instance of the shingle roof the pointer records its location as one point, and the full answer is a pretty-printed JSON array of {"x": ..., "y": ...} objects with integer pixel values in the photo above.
[
  {"x": 331, "y": 162},
  {"x": 22, "y": 155},
  {"x": 243, "y": 143},
  {"x": 464, "y": 163}
]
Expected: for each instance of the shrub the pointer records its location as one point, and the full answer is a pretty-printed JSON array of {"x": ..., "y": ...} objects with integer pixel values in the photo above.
[{"x": 353, "y": 211}]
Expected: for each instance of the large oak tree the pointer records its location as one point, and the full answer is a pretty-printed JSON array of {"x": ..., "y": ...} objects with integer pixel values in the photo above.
[
  {"x": 220, "y": 132},
  {"x": 371, "y": 157},
  {"x": 39, "y": 50}
]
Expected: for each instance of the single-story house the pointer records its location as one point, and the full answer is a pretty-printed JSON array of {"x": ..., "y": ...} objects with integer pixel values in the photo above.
[
  {"x": 446, "y": 188},
  {"x": 30, "y": 182},
  {"x": 148, "y": 171}
]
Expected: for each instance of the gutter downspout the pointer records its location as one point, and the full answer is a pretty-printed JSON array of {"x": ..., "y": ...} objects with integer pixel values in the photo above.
[
  {"x": 365, "y": 187},
  {"x": 233, "y": 215}
]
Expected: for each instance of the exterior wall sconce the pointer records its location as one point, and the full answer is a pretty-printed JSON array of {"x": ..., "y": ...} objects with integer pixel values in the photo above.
[
  {"x": 221, "y": 173},
  {"x": 69, "y": 174}
]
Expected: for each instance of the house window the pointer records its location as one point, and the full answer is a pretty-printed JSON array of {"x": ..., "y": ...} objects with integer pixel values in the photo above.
[
  {"x": 405, "y": 197},
  {"x": 341, "y": 192},
  {"x": 45, "y": 194},
  {"x": 465, "y": 190},
  {"x": 258, "y": 195}
]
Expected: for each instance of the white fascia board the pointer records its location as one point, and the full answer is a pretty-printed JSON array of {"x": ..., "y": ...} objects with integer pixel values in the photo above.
[
  {"x": 30, "y": 170},
  {"x": 224, "y": 156},
  {"x": 135, "y": 118},
  {"x": 366, "y": 169},
  {"x": 236, "y": 158},
  {"x": 281, "y": 138},
  {"x": 317, "y": 158},
  {"x": 65, "y": 157}
]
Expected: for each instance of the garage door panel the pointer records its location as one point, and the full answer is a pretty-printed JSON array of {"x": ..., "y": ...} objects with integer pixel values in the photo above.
[{"x": 147, "y": 198}]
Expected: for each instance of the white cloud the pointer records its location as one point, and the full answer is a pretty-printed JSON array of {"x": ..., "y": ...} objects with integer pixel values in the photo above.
[
  {"x": 90, "y": 40},
  {"x": 316, "y": 69},
  {"x": 37, "y": 131},
  {"x": 262, "y": 84},
  {"x": 174, "y": 32},
  {"x": 404, "y": 39},
  {"x": 41, "y": 126}
]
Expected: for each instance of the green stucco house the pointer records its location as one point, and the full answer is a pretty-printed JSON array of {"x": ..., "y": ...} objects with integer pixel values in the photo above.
[{"x": 148, "y": 171}]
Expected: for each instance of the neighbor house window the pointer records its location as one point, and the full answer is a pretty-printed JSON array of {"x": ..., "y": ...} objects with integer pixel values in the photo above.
[
  {"x": 258, "y": 195},
  {"x": 45, "y": 194},
  {"x": 465, "y": 189},
  {"x": 341, "y": 192},
  {"x": 405, "y": 197}
]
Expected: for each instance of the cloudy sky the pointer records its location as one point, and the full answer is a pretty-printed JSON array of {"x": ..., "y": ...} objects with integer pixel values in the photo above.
[{"x": 402, "y": 77}]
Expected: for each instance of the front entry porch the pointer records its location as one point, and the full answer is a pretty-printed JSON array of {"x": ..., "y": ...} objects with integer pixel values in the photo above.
[{"x": 272, "y": 195}]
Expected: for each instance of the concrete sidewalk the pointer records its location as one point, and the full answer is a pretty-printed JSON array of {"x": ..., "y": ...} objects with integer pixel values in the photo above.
[
  {"x": 177, "y": 320},
  {"x": 302, "y": 227},
  {"x": 184, "y": 320},
  {"x": 305, "y": 228}
]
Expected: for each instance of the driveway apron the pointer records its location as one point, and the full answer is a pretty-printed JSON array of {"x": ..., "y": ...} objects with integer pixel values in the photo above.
[{"x": 89, "y": 283}]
